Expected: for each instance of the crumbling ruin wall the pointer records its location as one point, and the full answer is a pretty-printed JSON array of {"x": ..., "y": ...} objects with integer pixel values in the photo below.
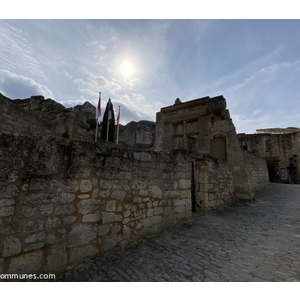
[
  {"x": 257, "y": 171},
  {"x": 62, "y": 201},
  {"x": 214, "y": 184},
  {"x": 39, "y": 115}
]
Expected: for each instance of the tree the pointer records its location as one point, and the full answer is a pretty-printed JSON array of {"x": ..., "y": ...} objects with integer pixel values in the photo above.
[{"x": 111, "y": 133}]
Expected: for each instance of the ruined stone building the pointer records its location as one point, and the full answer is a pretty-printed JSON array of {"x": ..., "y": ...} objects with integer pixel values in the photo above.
[
  {"x": 204, "y": 129},
  {"x": 280, "y": 147},
  {"x": 65, "y": 197}
]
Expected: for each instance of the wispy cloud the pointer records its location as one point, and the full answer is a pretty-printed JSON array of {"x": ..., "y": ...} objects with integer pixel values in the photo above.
[
  {"x": 19, "y": 86},
  {"x": 16, "y": 51}
]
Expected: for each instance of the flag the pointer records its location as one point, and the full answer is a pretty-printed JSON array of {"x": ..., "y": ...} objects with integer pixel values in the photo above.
[
  {"x": 109, "y": 112},
  {"x": 98, "y": 109},
  {"x": 118, "y": 118}
]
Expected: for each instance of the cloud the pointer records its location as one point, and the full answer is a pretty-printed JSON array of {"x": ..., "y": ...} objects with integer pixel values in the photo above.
[
  {"x": 92, "y": 84},
  {"x": 16, "y": 86},
  {"x": 17, "y": 52}
]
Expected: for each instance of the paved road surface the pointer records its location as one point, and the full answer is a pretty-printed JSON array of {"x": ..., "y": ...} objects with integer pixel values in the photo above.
[{"x": 257, "y": 241}]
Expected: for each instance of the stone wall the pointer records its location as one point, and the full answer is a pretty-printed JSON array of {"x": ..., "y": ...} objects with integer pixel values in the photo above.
[
  {"x": 214, "y": 184},
  {"x": 39, "y": 115},
  {"x": 279, "y": 149},
  {"x": 257, "y": 171},
  {"x": 62, "y": 201}
]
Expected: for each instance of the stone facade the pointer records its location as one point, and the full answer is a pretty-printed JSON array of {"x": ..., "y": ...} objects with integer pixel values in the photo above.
[
  {"x": 62, "y": 201},
  {"x": 280, "y": 148},
  {"x": 204, "y": 126}
]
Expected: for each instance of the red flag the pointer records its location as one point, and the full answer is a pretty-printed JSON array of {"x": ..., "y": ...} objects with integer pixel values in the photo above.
[
  {"x": 118, "y": 118},
  {"x": 98, "y": 109}
]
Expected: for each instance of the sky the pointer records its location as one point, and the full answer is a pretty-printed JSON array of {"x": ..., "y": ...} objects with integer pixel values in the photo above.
[{"x": 253, "y": 63}]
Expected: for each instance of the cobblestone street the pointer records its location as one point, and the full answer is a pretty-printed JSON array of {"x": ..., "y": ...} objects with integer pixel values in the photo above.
[{"x": 258, "y": 241}]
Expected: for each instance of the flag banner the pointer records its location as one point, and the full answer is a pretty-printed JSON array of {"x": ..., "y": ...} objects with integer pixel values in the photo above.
[{"x": 98, "y": 109}]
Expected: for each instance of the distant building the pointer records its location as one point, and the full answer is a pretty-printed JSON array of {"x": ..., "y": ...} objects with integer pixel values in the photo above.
[{"x": 280, "y": 147}]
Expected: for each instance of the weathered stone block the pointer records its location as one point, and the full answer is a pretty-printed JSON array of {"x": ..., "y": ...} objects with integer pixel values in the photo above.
[
  {"x": 69, "y": 219},
  {"x": 111, "y": 217},
  {"x": 25, "y": 211},
  {"x": 35, "y": 237},
  {"x": 126, "y": 232},
  {"x": 178, "y": 202},
  {"x": 110, "y": 184},
  {"x": 12, "y": 246},
  {"x": 7, "y": 211},
  {"x": 85, "y": 186},
  {"x": 7, "y": 202},
  {"x": 66, "y": 198},
  {"x": 34, "y": 247},
  {"x": 104, "y": 229},
  {"x": 111, "y": 205},
  {"x": 156, "y": 220},
  {"x": 37, "y": 184},
  {"x": 150, "y": 212},
  {"x": 126, "y": 220},
  {"x": 142, "y": 156},
  {"x": 147, "y": 222},
  {"x": 158, "y": 210},
  {"x": 78, "y": 254},
  {"x": 57, "y": 261},
  {"x": 69, "y": 186},
  {"x": 184, "y": 184},
  {"x": 104, "y": 194},
  {"x": 179, "y": 209},
  {"x": 46, "y": 210},
  {"x": 52, "y": 223},
  {"x": 27, "y": 263},
  {"x": 34, "y": 226},
  {"x": 8, "y": 191},
  {"x": 118, "y": 195},
  {"x": 64, "y": 210},
  {"x": 89, "y": 206},
  {"x": 108, "y": 242},
  {"x": 40, "y": 198},
  {"x": 81, "y": 234},
  {"x": 115, "y": 229},
  {"x": 91, "y": 218},
  {"x": 156, "y": 192},
  {"x": 79, "y": 171},
  {"x": 144, "y": 193}
]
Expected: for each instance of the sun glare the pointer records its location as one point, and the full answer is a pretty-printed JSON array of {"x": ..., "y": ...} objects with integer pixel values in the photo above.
[{"x": 127, "y": 68}]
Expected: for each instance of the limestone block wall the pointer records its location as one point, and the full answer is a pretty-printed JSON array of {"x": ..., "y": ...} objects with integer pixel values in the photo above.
[
  {"x": 214, "y": 184},
  {"x": 257, "y": 171},
  {"x": 62, "y": 201}
]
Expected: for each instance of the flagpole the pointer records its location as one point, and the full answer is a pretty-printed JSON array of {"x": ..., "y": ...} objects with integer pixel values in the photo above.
[
  {"x": 118, "y": 126},
  {"x": 98, "y": 114},
  {"x": 108, "y": 120}
]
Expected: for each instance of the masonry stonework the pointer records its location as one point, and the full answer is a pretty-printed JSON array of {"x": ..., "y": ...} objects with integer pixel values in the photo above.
[
  {"x": 204, "y": 126},
  {"x": 69, "y": 200},
  {"x": 280, "y": 147},
  {"x": 65, "y": 199}
]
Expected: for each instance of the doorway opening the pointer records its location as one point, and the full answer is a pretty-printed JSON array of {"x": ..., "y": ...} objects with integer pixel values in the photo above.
[{"x": 193, "y": 188}]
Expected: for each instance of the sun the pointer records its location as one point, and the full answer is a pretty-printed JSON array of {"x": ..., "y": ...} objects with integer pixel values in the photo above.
[{"x": 127, "y": 68}]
